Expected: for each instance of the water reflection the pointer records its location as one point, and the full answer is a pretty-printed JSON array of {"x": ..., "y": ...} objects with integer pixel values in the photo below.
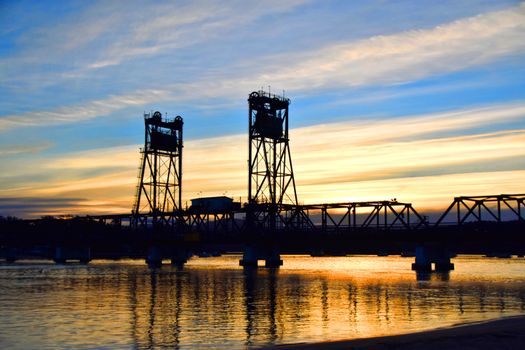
[
  {"x": 119, "y": 305},
  {"x": 260, "y": 302},
  {"x": 433, "y": 276}
]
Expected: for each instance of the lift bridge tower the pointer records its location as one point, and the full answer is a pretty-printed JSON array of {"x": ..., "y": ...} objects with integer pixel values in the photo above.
[
  {"x": 158, "y": 196},
  {"x": 271, "y": 184}
]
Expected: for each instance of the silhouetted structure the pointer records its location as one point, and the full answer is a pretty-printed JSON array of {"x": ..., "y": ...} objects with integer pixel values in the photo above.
[
  {"x": 159, "y": 192},
  {"x": 271, "y": 180},
  {"x": 271, "y": 183},
  {"x": 272, "y": 222},
  {"x": 483, "y": 208}
]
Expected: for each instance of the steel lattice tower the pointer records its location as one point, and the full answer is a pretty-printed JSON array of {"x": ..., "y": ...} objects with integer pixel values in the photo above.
[
  {"x": 159, "y": 192},
  {"x": 271, "y": 180}
]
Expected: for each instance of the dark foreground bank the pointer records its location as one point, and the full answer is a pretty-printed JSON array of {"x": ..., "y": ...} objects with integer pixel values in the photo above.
[{"x": 504, "y": 333}]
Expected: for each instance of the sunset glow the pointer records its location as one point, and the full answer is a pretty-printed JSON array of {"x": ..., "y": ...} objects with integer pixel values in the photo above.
[{"x": 421, "y": 110}]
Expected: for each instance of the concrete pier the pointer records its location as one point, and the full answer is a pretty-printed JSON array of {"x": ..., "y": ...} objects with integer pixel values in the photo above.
[
  {"x": 423, "y": 262},
  {"x": 252, "y": 255},
  {"x": 179, "y": 257},
  {"x": 63, "y": 254},
  {"x": 154, "y": 257},
  {"x": 11, "y": 255},
  {"x": 273, "y": 259},
  {"x": 249, "y": 257},
  {"x": 428, "y": 255}
]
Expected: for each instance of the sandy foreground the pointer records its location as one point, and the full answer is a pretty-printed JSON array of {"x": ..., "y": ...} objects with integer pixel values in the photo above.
[{"x": 503, "y": 333}]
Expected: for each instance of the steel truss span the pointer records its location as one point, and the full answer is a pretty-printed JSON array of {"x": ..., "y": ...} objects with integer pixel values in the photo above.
[
  {"x": 497, "y": 208},
  {"x": 351, "y": 216}
]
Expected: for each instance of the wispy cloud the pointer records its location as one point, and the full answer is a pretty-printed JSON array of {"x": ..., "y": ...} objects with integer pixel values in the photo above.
[
  {"x": 407, "y": 56},
  {"x": 405, "y": 158},
  {"x": 114, "y": 157},
  {"x": 202, "y": 58},
  {"x": 333, "y": 157},
  {"x": 354, "y": 162},
  {"x": 32, "y": 207},
  {"x": 82, "y": 112},
  {"x": 429, "y": 192},
  {"x": 174, "y": 27},
  {"x": 387, "y": 59},
  {"x": 11, "y": 150},
  {"x": 370, "y": 132}
]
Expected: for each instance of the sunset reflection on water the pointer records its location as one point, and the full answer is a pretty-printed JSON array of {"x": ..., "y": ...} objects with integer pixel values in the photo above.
[{"x": 214, "y": 303}]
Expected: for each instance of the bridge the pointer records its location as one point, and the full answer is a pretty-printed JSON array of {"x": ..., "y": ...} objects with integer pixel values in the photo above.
[{"x": 271, "y": 222}]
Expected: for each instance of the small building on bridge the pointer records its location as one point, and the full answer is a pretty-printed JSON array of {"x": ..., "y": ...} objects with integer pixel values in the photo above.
[{"x": 219, "y": 204}]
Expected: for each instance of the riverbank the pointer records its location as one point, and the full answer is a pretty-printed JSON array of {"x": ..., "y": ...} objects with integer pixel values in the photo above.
[{"x": 504, "y": 333}]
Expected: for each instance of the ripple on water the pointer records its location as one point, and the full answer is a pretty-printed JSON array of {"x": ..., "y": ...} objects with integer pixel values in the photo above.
[{"x": 214, "y": 303}]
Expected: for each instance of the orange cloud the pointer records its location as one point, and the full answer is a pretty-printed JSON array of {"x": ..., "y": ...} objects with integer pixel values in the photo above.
[{"x": 409, "y": 158}]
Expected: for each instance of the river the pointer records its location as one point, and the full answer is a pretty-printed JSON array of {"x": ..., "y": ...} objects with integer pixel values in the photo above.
[{"x": 213, "y": 303}]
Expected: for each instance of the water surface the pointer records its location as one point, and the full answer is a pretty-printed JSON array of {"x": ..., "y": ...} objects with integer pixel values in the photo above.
[{"x": 214, "y": 303}]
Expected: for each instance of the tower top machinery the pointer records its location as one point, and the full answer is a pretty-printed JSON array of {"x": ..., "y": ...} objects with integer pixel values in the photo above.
[
  {"x": 159, "y": 189},
  {"x": 271, "y": 182}
]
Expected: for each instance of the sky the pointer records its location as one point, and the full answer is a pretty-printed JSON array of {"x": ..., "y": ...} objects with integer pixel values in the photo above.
[{"x": 415, "y": 100}]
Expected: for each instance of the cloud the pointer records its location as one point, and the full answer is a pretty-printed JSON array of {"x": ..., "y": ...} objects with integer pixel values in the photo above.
[
  {"x": 37, "y": 206},
  {"x": 425, "y": 192},
  {"x": 387, "y": 59},
  {"x": 348, "y": 162},
  {"x": 406, "y": 56},
  {"x": 106, "y": 182},
  {"x": 83, "y": 112},
  {"x": 406, "y": 158},
  {"x": 205, "y": 56},
  {"x": 330, "y": 159},
  {"x": 175, "y": 27},
  {"x": 10, "y": 150},
  {"x": 369, "y": 132},
  {"x": 113, "y": 158}
]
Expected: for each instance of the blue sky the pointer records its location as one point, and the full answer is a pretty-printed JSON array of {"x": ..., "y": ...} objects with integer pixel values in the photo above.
[{"x": 76, "y": 76}]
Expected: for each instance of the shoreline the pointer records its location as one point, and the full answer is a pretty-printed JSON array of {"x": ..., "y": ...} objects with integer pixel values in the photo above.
[{"x": 501, "y": 333}]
